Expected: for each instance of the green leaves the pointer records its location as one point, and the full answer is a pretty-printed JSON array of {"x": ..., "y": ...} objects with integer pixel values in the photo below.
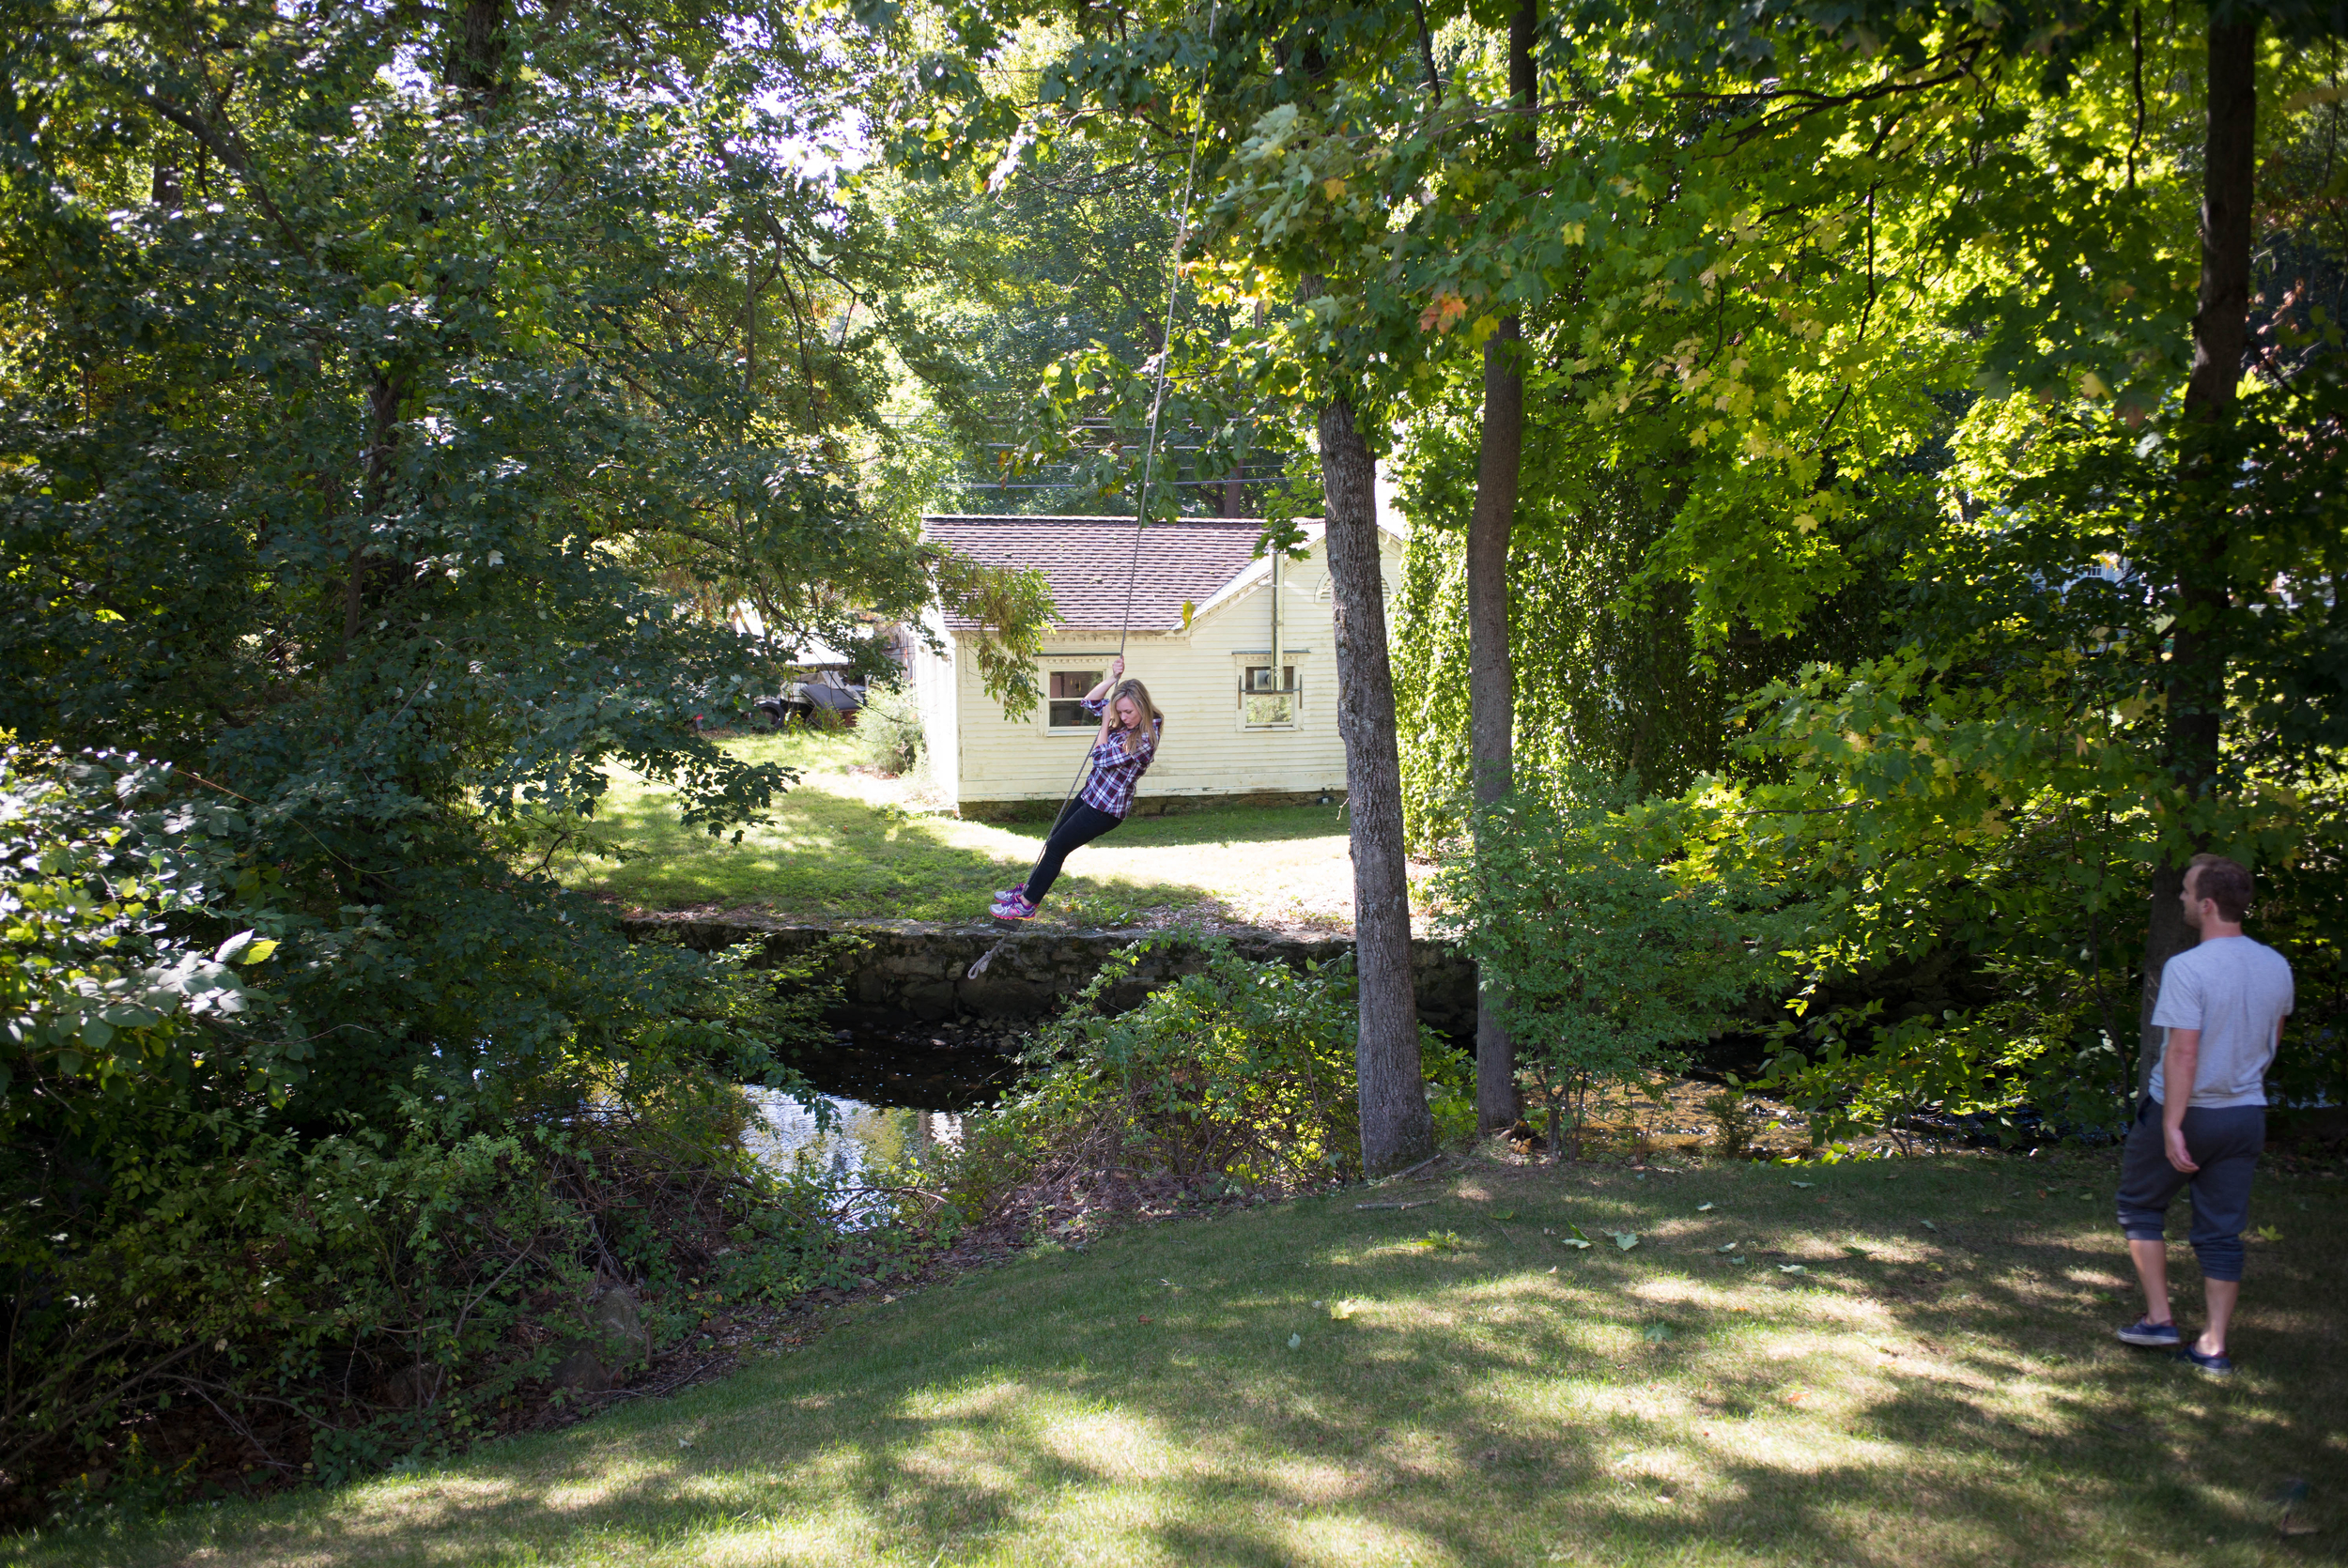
[
  {"x": 1609, "y": 952},
  {"x": 1238, "y": 1069}
]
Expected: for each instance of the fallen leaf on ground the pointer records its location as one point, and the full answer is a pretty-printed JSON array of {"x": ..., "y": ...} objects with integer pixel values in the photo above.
[
  {"x": 1626, "y": 1239},
  {"x": 1706, "y": 1207},
  {"x": 1791, "y": 1269},
  {"x": 1805, "y": 1184},
  {"x": 1732, "y": 1246},
  {"x": 1658, "y": 1332},
  {"x": 1340, "y": 1310},
  {"x": 1295, "y": 1340},
  {"x": 1928, "y": 1224},
  {"x": 1573, "y": 1241}
]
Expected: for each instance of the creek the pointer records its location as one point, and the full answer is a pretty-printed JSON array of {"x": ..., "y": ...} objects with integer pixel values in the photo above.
[{"x": 890, "y": 1091}]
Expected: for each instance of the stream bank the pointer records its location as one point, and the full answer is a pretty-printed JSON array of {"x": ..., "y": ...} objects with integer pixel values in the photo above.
[{"x": 911, "y": 971}]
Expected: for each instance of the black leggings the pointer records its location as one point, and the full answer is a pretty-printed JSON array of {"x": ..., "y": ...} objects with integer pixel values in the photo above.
[{"x": 1078, "y": 824}]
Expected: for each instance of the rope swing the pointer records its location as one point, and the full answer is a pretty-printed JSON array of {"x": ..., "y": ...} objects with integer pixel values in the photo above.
[{"x": 1149, "y": 451}]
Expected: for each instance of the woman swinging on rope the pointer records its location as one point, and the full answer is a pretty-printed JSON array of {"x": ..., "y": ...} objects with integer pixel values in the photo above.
[{"x": 1131, "y": 727}]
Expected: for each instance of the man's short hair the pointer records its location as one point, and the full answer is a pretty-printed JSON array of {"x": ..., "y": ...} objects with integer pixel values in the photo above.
[{"x": 2224, "y": 883}]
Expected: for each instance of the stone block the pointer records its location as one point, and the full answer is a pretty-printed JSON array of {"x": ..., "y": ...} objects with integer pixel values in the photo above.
[{"x": 616, "y": 1338}]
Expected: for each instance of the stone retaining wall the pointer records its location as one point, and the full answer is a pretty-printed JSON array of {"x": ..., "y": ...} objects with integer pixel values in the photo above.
[{"x": 908, "y": 968}]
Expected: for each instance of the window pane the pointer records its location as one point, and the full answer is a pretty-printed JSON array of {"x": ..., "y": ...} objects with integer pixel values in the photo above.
[
  {"x": 1068, "y": 685},
  {"x": 1273, "y": 708}
]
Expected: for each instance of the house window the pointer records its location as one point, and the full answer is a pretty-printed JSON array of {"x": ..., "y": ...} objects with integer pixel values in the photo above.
[
  {"x": 1266, "y": 703},
  {"x": 1067, "y": 705}
]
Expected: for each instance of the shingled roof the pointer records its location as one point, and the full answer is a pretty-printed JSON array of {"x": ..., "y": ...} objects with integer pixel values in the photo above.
[{"x": 1086, "y": 560}]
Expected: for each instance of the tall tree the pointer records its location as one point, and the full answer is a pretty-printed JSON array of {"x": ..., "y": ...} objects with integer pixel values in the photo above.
[
  {"x": 394, "y": 439},
  {"x": 1491, "y": 526},
  {"x": 2195, "y": 685},
  {"x": 1396, "y": 1127},
  {"x": 1295, "y": 115}
]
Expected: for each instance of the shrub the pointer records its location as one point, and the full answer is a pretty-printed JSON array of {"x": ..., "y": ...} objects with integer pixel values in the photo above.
[
  {"x": 1732, "y": 1115},
  {"x": 888, "y": 729},
  {"x": 1607, "y": 943},
  {"x": 1236, "y": 1076},
  {"x": 203, "y": 1207}
]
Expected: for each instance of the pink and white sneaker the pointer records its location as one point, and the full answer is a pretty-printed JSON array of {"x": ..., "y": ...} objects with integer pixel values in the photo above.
[{"x": 1016, "y": 907}]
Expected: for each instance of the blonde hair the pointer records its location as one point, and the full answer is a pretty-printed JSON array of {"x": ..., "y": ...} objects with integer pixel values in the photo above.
[{"x": 1146, "y": 727}]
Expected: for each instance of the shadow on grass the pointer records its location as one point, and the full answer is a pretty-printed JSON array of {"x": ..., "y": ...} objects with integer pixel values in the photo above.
[{"x": 1185, "y": 1395}]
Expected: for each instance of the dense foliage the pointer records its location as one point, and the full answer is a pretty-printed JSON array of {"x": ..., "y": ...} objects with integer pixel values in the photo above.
[
  {"x": 1902, "y": 458},
  {"x": 1234, "y": 1076},
  {"x": 178, "y": 1232},
  {"x": 398, "y": 405},
  {"x": 1603, "y": 946}
]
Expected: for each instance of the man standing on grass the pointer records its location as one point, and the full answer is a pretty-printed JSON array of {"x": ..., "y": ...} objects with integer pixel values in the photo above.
[{"x": 2205, "y": 1120}]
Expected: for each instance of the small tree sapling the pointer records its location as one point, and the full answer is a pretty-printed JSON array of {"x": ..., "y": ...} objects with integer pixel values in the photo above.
[{"x": 1612, "y": 943}]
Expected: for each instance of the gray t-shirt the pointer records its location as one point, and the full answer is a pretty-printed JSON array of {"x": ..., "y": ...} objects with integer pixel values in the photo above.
[{"x": 2234, "y": 990}]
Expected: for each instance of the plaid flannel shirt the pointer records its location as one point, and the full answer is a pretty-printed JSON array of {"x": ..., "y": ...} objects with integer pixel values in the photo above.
[{"x": 1110, "y": 787}]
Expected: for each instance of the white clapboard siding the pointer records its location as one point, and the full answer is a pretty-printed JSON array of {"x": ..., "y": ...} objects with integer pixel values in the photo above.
[{"x": 977, "y": 756}]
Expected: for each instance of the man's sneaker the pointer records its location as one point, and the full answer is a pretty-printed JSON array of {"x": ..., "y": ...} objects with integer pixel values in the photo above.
[
  {"x": 1016, "y": 907},
  {"x": 2153, "y": 1336},
  {"x": 2215, "y": 1366}
]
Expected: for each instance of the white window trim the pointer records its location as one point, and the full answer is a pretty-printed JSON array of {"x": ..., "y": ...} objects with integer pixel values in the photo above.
[
  {"x": 1242, "y": 658},
  {"x": 1049, "y": 665}
]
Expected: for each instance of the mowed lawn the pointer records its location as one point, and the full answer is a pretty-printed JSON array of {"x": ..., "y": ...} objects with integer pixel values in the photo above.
[
  {"x": 854, "y": 845},
  {"x": 1316, "y": 1383}
]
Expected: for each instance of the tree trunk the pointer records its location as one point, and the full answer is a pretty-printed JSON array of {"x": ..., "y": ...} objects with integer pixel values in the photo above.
[
  {"x": 476, "y": 57},
  {"x": 384, "y": 393},
  {"x": 2197, "y": 676},
  {"x": 1492, "y": 679},
  {"x": 1396, "y": 1130}
]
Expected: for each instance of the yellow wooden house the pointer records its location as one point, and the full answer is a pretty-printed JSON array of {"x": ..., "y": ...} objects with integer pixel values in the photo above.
[{"x": 1236, "y": 650}]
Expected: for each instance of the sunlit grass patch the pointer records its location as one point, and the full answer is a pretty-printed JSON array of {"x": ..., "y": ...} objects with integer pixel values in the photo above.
[
  {"x": 848, "y": 845},
  {"x": 1311, "y": 1383}
]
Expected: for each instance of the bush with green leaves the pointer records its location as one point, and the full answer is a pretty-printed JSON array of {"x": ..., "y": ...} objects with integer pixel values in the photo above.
[
  {"x": 888, "y": 729},
  {"x": 180, "y": 1226},
  {"x": 1606, "y": 943},
  {"x": 1234, "y": 1076}
]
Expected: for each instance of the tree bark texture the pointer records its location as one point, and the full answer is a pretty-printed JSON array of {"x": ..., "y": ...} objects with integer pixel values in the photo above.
[
  {"x": 2197, "y": 677},
  {"x": 476, "y": 63},
  {"x": 1396, "y": 1130},
  {"x": 1491, "y": 677}
]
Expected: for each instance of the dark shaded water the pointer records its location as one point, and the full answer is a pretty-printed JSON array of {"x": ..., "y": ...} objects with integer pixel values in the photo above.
[{"x": 893, "y": 1093}]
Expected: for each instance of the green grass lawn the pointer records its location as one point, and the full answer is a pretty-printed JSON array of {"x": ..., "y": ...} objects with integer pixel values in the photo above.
[
  {"x": 842, "y": 845},
  {"x": 1864, "y": 1390}
]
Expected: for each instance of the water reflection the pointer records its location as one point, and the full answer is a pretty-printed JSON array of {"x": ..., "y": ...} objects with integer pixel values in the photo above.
[{"x": 861, "y": 1135}]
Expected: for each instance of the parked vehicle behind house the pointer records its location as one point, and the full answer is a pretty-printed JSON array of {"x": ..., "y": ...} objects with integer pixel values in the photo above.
[{"x": 805, "y": 701}]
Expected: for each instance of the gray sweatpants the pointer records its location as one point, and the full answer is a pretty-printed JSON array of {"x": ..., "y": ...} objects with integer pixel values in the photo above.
[{"x": 2225, "y": 1142}]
